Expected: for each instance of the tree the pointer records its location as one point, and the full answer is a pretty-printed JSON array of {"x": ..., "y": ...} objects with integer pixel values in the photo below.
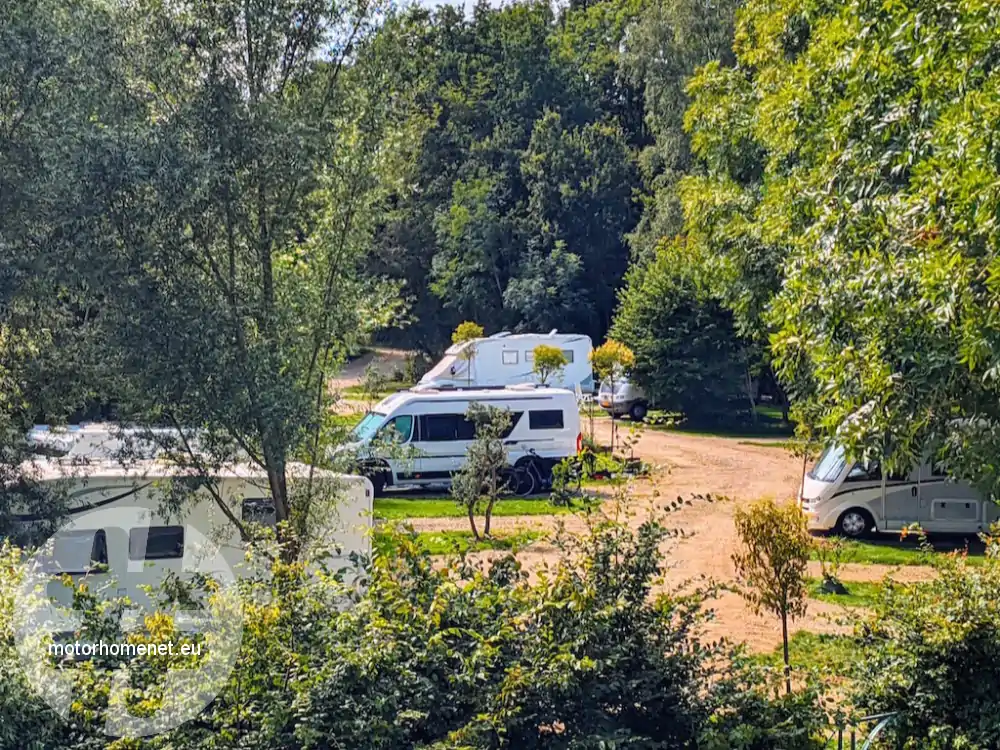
[
  {"x": 687, "y": 355},
  {"x": 467, "y": 333},
  {"x": 478, "y": 485},
  {"x": 854, "y": 190},
  {"x": 549, "y": 362},
  {"x": 233, "y": 175},
  {"x": 774, "y": 553},
  {"x": 612, "y": 361}
]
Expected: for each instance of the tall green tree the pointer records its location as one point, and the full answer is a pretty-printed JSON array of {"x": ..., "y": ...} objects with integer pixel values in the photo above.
[
  {"x": 687, "y": 354},
  {"x": 854, "y": 166}
]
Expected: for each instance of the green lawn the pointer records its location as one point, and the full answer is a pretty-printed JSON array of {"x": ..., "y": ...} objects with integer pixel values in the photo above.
[
  {"x": 859, "y": 593},
  {"x": 454, "y": 542},
  {"x": 900, "y": 552},
  {"x": 400, "y": 508},
  {"x": 768, "y": 424},
  {"x": 834, "y": 654}
]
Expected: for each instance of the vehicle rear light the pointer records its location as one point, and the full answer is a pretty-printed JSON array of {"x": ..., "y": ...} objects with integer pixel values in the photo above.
[{"x": 579, "y": 442}]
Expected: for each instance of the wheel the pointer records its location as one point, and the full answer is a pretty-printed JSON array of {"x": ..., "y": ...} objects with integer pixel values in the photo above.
[
  {"x": 521, "y": 481},
  {"x": 638, "y": 411},
  {"x": 378, "y": 484},
  {"x": 854, "y": 523}
]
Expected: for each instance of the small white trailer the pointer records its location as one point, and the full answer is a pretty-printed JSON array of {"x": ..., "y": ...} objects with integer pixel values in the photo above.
[
  {"x": 508, "y": 359},
  {"x": 120, "y": 535}
]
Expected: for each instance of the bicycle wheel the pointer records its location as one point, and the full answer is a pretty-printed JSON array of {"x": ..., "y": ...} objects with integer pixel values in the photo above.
[{"x": 526, "y": 481}]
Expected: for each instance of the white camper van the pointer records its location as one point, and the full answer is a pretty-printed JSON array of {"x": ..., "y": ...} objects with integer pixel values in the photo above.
[
  {"x": 620, "y": 396},
  {"x": 853, "y": 499},
  {"x": 419, "y": 438},
  {"x": 117, "y": 531},
  {"x": 507, "y": 359}
]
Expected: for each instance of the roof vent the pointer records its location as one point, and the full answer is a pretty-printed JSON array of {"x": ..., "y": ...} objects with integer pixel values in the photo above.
[{"x": 553, "y": 332}]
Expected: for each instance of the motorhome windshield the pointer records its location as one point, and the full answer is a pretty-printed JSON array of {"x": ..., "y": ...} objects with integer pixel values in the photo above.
[
  {"x": 367, "y": 427},
  {"x": 830, "y": 464}
]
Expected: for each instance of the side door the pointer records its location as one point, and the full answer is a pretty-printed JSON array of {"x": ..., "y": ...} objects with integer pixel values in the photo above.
[
  {"x": 901, "y": 506},
  {"x": 950, "y": 506},
  {"x": 442, "y": 442}
]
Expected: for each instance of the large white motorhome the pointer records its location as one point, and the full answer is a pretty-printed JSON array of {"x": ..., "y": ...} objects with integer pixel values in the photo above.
[
  {"x": 855, "y": 498},
  {"x": 120, "y": 533},
  {"x": 508, "y": 359},
  {"x": 420, "y": 437}
]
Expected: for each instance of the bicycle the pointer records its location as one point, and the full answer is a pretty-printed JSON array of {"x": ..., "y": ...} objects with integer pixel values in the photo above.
[{"x": 527, "y": 478}]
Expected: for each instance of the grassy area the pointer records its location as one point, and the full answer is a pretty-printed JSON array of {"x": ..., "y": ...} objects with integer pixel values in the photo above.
[
  {"x": 359, "y": 392},
  {"x": 454, "y": 542},
  {"x": 768, "y": 424},
  {"x": 902, "y": 552},
  {"x": 393, "y": 508},
  {"x": 859, "y": 593},
  {"x": 834, "y": 654}
]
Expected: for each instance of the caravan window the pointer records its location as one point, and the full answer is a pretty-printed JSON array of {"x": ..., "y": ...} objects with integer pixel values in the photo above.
[
  {"x": 548, "y": 419},
  {"x": 76, "y": 552},
  {"x": 509, "y": 356},
  {"x": 259, "y": 510},
  {"x": 529, "y": 356},
  {"x": 568, "y": 354},
  {"x": 156, "y": 543}
]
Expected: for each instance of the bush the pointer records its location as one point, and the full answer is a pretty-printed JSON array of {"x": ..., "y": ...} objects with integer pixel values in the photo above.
[{"x": 934, "y": 657}]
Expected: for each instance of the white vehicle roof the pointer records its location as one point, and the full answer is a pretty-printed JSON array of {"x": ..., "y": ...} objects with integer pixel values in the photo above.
[
  {"x": 509, "y": 393},
  {"x": 553, "y": 335}
]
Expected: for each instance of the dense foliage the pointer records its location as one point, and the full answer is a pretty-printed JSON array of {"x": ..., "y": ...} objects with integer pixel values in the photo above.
[
  {"x": 456, "y": 655},
  {"x": 849, "y": 194}
]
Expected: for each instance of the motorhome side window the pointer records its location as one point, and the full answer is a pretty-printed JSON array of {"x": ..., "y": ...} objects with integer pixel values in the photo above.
[
  {"x": 509, "y": 357},
  {"x": 545, "y": 419},
  {"x": 441, "y": 427},
  {"x": 398, "y": 429},
  {"x": 568, "y": 354},
  {"x": 259, "y": 510},
  {"x": 156, "y": 543},
  {"x": 865, "y": 471},
  {"x": 77, "y": 552}
]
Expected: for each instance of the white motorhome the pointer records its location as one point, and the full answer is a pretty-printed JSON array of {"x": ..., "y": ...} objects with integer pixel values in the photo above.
[
  {"x": 620, "y": 396},
  {"x": 119, "y": 533},
  {"x": 508, "y": 359},
  {"x": 855, "y": 498},
  {"x": 420, "y": 437}
]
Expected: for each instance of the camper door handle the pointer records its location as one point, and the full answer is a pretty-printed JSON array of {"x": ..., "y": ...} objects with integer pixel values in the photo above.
[{"x": 913, "y": 491}]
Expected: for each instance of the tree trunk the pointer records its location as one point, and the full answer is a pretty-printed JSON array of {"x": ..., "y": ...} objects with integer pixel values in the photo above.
[
  {"x": 784, "y": 643},
  {"x": 750, "y": 398},
  {"x": 472, "y": 523}
]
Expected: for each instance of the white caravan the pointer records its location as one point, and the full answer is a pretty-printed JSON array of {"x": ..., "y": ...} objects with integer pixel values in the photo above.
[
  {"x": 420, "y": 437},
  {"x": 853, "y": 499},
  {"x": 119, "y": 534},
  {"x": 507, "y": 359}
]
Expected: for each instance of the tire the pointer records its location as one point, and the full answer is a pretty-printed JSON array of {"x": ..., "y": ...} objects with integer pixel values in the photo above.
[
  {"x": 854, "y": 523},
  {"x": 378, "y": 484},
  {"x": 524, "y": 482},
  {"x": 637, "y": 412}
]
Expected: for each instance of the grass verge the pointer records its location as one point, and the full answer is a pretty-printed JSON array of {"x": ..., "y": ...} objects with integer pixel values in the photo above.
[
  {"x": 393, "y": 509},
  {"x": 901, "y": 552},
  {"x": 454, "y": 542},
  {"x": 835, "y": 654},
  {"x": 859, "y": 593}
]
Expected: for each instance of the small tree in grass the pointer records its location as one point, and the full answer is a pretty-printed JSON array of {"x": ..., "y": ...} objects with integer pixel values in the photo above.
[
  {"x": 479, "y": 484},
  {"x": 773, "y": 556},
  {"x": 549, "y": 362},
  {"x": 467, "y": 332},
  {"x": 610, "y": 361}
]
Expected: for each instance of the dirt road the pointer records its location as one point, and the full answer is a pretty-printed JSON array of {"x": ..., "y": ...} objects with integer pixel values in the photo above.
[{"x": 731, "y": 471}]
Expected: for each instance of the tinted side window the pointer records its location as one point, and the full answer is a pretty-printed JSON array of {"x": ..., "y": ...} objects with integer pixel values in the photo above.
[
  {"x": 515, "y": 417},
  {"x": 440, "y": 427},
  {"x": 547, "y": 419},
  {"x": 866, "y": 472},
  {"x": 156, "y": 543}
]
